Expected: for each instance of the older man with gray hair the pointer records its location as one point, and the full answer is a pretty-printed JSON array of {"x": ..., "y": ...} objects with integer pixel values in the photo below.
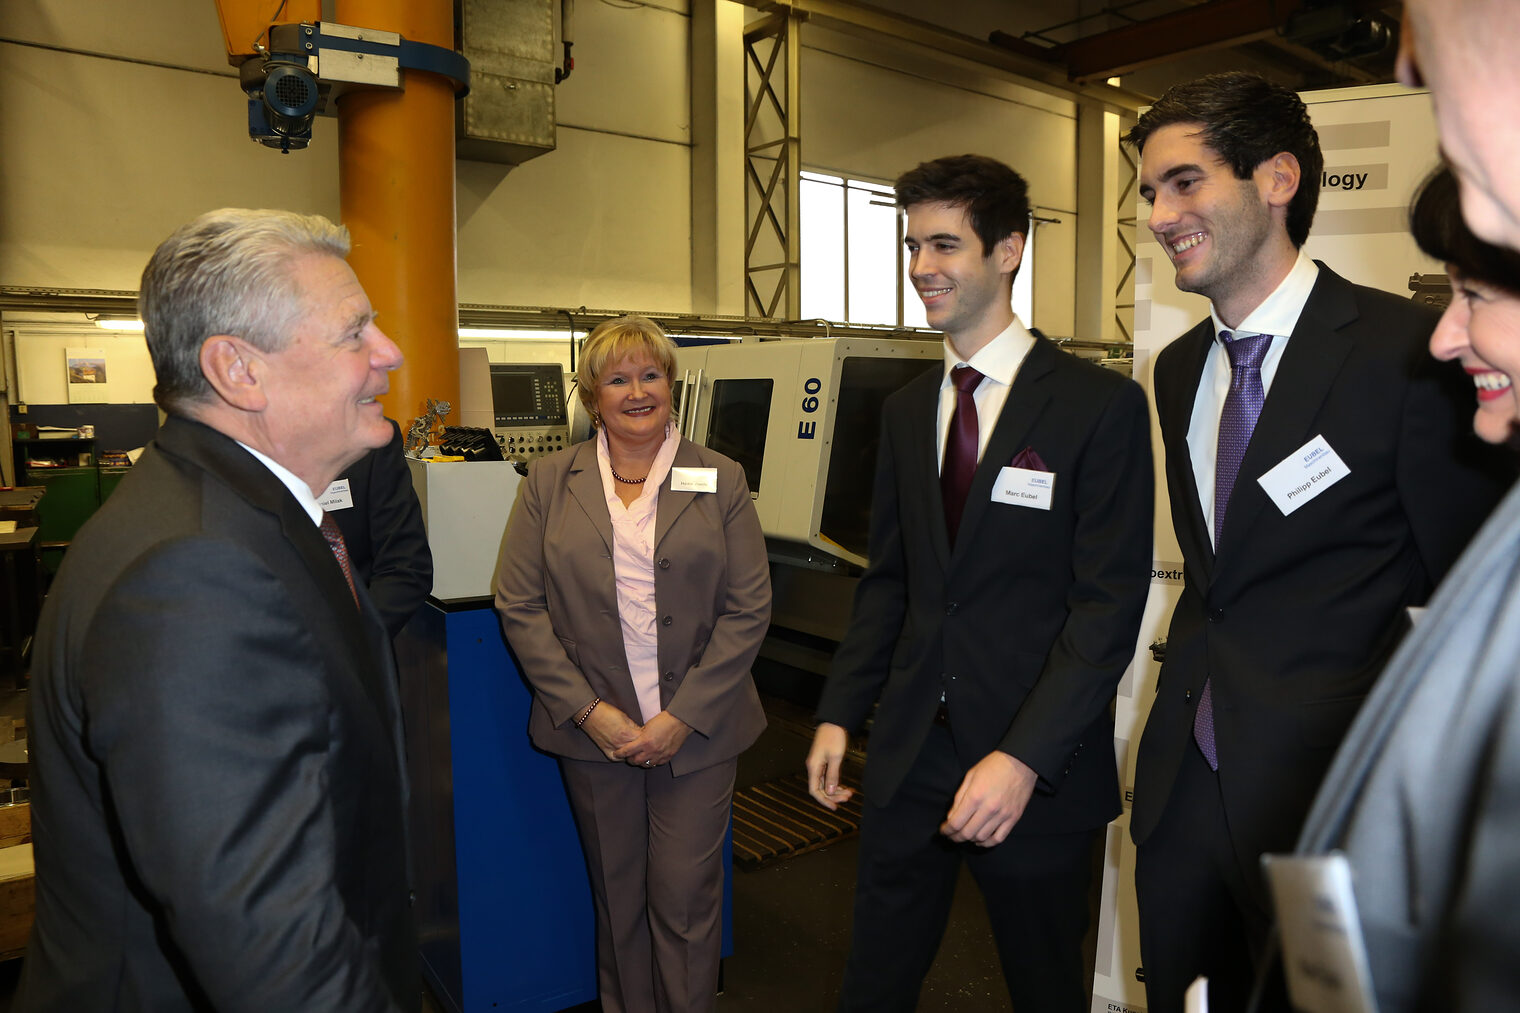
[{"x": 218, "y": 795}]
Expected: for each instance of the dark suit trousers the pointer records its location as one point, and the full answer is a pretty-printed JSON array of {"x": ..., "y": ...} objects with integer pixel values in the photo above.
[
  {"x": 1201, "y": 910},
  {"x": 1035, "y": 888},
  {"x": 654, "y": 850}
]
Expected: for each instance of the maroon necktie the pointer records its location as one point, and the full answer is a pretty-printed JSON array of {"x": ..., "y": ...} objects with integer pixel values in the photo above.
[
  {"x": 960, "y": 448},
  {"x": 340, "y": 551}
]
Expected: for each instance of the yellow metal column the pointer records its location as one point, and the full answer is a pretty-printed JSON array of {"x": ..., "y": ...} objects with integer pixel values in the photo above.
[{"x": 396, "y": 181}]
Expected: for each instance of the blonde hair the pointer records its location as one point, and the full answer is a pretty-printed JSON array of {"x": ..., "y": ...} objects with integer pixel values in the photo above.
[{"x": 612, "y": 341}]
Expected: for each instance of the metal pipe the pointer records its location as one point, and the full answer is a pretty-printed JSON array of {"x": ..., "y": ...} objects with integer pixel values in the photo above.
[{"x": 396, "y": 186}]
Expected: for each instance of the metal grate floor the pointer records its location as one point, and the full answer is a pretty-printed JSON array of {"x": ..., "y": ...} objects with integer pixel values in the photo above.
[{"x": 779, "y": 819}]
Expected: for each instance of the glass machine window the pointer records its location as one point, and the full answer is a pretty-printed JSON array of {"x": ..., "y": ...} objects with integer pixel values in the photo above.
[
  {"x": 740, "y": 415},
  {"x": 864, "y": 384}
]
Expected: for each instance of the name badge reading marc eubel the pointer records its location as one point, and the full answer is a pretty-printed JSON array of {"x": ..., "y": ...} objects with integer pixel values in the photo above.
[
  {"x": 693, "y": 479},
  {"x": 336, "y": 496},
  {"x": 1303, "y": 475},
  {"x": 1025, "y": 487}
]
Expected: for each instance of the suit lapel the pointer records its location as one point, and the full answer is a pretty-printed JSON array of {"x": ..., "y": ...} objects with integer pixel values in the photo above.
[
  {"x": 585, "y": 484},
  {"x": 1175, "y": 415},
  {"x": 671, "y": 503},
  {"x": 1307, "y": 371},
  {"x": 1026, "y": 401},
  {"x": 256, "y": 485}
]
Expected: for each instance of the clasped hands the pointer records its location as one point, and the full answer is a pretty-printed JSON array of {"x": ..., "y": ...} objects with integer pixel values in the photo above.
[
  {"x": 620, "y": 738},
  {"x": 990, "y": 800}
]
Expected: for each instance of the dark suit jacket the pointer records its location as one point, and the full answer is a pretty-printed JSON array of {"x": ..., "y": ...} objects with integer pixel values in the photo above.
[
  {"x": 218, "y": 796},
  {"x": 1027, "y": 626},
  {"x": 1294, "y": 616},
  {"x": 557, "y": 598},
  {"x": 387, "y": 542}
]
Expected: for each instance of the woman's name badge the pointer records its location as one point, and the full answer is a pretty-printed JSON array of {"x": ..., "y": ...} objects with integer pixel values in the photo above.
[
  {"x": 336, "y": 496},
  {"x": 693, "y": 479},
  {"x": 1303, "y": 475},
  {"x": 1025, "y": 487}
]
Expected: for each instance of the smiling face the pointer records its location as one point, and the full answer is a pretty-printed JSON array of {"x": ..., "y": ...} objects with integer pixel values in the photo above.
[
  {"x": 1464, "y": 51},
  {"x": 633, "y": 399},
  {"x": 1223, "y": 234},
  {"x": 1481, "y": 329},
  {"x": 966, "y": 294},
  {"x": 321, "y": 414}
]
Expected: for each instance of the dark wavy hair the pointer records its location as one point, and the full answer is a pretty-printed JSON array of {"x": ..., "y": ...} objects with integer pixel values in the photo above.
[
  {"x": 1435, "y": 220},
  {"x": 1246, "y": 119},
  {"x": 995, "y": 197}
]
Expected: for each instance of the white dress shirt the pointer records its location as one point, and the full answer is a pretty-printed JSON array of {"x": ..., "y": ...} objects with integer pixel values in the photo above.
[
  {"x": 299, "y": 489},
  {"x": 1277, "y": 315},
  {"x": 999, "y": 361}
]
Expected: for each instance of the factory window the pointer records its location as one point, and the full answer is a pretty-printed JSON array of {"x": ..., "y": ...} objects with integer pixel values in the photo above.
[{"x": 854, "y": 267}]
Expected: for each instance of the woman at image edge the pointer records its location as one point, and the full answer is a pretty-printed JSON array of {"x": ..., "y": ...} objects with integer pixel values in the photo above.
[
  {"x": 634, "y": 589},
  {"x": 1422, "y": 796}
]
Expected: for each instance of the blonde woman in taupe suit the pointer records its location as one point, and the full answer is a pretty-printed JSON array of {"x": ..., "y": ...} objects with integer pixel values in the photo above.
[{"x": 634, "y": 590}]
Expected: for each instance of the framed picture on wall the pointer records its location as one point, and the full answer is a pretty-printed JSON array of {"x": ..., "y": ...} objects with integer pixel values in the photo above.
[{"x": 88, "y": 375}]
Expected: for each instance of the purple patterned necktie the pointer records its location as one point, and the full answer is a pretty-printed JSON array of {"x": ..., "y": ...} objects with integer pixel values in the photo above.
[
  {"x": 339, "y": 547},
  {"x": 960, "y": 448},
  {"x": 1237, "y": 421}
]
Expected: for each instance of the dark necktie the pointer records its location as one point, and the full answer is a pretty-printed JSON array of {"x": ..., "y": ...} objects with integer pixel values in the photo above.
[
  {"x": 960, "y": 448},
  {"x": 1237, "y": 421},
  {"x": 340, "y": 551}
]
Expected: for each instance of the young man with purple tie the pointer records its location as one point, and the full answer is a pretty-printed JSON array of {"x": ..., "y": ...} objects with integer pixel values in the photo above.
[
  {"x": 1009, "y": 563},
  {"x": 1322, "y": 479}
]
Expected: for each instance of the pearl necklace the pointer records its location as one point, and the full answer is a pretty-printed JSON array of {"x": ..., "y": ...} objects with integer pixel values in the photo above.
[{"x": 625, "y": 481}]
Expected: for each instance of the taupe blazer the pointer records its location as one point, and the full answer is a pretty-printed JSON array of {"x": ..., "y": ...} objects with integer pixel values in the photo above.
[{"x": 557, "y": 600}]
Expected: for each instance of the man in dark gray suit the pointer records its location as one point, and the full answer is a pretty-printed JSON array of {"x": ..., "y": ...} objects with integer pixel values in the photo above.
[
  {"x": 1009, "y": 562},
  {"x": 1322, "y": 479},
  {"x": 218, "y": 796}
]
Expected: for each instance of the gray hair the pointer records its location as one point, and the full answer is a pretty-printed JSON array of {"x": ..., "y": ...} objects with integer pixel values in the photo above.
[{"x": 227, "y": 272}]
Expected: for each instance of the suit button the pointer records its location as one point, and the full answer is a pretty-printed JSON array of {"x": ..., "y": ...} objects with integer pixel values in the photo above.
[
  {"x": 1216, "y": 615},
  {"x": 1187, "y": 695},
  {"x": 666, "y": 621},
  {"x": 663, "y": 564},
  {"x": 952, "y": 607},
  {"x": 670, "y": 677}
]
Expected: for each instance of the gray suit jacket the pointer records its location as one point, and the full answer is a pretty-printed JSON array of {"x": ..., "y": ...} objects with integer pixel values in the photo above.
[
  {"x": 1424, "y": 795},
  {"x": 556, "y": 595},
  {"x": 218, "y": 791}
]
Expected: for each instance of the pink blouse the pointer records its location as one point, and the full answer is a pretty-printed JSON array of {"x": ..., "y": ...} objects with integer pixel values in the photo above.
[{"x": 633, "y": 566}]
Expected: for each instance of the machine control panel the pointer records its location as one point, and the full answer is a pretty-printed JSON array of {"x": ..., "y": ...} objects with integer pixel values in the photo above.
[{"x": 528, "y": 400}]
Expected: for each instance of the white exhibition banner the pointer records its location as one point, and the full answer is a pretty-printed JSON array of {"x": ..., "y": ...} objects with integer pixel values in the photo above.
[{"x": 1379, "y": 143}]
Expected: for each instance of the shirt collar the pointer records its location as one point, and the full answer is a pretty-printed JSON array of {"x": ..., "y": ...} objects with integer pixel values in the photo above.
[
  {"x": 1279, "y": 312},
  {"x": 998, "y": 359},
  {"x": 299, "y": 489}
]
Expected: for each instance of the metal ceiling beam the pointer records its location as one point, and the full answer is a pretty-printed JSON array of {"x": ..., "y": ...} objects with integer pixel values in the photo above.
[
  {"x": 1212, "y": 25},
  {"x": 1156, "y": 40},
  {"x": 1042, "y": 74}
]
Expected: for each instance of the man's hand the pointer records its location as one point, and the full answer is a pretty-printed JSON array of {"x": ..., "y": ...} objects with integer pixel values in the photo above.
[
  {"x": 610, "y": 729},
  {"x": 990, "y": 800},
  {"x": 823, "y": 760},
  {"x": 656, "y": 742}
]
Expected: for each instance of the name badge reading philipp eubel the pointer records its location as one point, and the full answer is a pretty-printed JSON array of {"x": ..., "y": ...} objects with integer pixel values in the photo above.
[{"x": 693, "y": 479}]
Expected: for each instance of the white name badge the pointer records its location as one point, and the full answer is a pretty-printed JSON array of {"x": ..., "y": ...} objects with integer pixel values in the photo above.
[
  {"x": 1025, "y": 487},
  {"x": 1323, "y": 953},
  {"x": 693, "y": 479},
  {"x": 1303, "y": 475},
  {"x": 336, "y": 496}
]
